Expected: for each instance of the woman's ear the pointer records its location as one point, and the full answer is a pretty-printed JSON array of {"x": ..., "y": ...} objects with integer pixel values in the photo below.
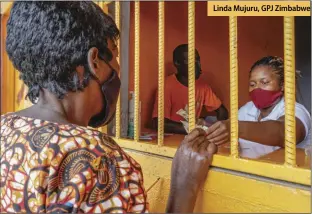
[{"x": 93, "y": 60}]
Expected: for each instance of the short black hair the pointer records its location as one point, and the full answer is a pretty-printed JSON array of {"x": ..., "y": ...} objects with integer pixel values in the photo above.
[
  {"x": 274, "y": 62},
  {"x": 48, "y": 40},
  {"x": 179, "y": 50}
]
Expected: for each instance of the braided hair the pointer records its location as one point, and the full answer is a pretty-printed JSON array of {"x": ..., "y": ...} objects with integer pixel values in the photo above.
[
  {"x": 274, "y": 62},
  {"x": 277, "y": 65}
]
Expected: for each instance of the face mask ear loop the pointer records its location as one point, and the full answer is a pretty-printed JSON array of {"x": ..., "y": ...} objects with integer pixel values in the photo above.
[
  {"x": 87, "y": 69},
  {"x": 107, "y": 63}
]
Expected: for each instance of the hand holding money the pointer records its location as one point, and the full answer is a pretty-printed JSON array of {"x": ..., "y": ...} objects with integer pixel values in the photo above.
[{"x": 184, "y": 113}]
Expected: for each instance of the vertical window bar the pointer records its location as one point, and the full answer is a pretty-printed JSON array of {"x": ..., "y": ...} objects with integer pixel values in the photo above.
[
  {"x": 191, "y": 65},
  {"x": 117, "y": 20},
  {"x": 136, "y": 69},
  {"x": 290, "y": 91},
  {"x": 233, "y": 85},
  {"x": 161, "y": 70}
]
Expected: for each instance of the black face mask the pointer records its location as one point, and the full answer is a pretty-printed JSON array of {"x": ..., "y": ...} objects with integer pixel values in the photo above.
[{"x": 110, "y": 91}]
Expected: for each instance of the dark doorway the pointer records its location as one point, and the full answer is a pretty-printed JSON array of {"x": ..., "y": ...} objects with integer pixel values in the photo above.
[{"x": 303, "y": 59}]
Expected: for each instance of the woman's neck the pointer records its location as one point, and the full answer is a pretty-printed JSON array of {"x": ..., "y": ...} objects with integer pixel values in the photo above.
[
  {"x": 267, "y": 111},
  {"x": 46, "y": 109},
  {"x": 50, "y": 108}
]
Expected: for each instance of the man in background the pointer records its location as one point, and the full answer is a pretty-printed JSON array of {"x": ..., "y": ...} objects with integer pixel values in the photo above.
[{"x": 176, "y": 94}]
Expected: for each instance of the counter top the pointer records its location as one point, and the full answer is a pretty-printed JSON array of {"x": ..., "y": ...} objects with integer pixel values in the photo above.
[{"x": 277, "y": 156}]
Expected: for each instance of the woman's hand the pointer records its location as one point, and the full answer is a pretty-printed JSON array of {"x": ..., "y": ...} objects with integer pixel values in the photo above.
[
  {"x": 189, "y": 170},
  {"x": 219, "y": 132},
  {"x": 193, "y": 158}
]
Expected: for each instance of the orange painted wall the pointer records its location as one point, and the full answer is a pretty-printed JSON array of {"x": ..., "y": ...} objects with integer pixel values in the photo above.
[{"x": 257, "y": 37}]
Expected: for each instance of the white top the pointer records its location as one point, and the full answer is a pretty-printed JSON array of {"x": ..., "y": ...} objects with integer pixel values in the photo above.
[{"x": 249, "y": 112}]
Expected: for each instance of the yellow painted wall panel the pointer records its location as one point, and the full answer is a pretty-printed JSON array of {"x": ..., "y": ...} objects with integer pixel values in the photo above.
[
  {"x": 225, "y": 192},
  {"x": 12, "y": 91},
  {"x": 20, "y": 93},
  {"x": 7, "y": 73}
]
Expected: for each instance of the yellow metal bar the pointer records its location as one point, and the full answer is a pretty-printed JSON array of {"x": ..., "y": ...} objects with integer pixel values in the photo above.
[
  {"x": 102, "y": 5},
  {"x": 107, "y": 2},
  {"x": 117, "y": 20},
  {"x": 233, "y": 85},
  {"x": 136, "y": 69},
  {"x": 290, "y": 91},
  {"x": 161, "y": 71},
  {"x": 5, "y": 7},
  {"x": 191, "y": 65}
]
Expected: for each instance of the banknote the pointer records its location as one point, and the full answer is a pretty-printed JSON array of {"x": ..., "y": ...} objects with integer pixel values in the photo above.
[
  {"x": 205, "y": 128},
  {"x": 184, "y": 113},
  {"x": 185, "y": 125}
]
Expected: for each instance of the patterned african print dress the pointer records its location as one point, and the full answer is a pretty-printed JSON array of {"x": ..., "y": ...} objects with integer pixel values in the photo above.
[{"x": 50, "y": 167}]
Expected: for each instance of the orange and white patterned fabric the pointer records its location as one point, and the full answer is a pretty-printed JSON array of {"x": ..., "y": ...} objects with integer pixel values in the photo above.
[{"x": 50, "y": 167}]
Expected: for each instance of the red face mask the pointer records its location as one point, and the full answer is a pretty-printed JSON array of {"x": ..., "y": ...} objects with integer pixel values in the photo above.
[{"x": 264, "y": 98}]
